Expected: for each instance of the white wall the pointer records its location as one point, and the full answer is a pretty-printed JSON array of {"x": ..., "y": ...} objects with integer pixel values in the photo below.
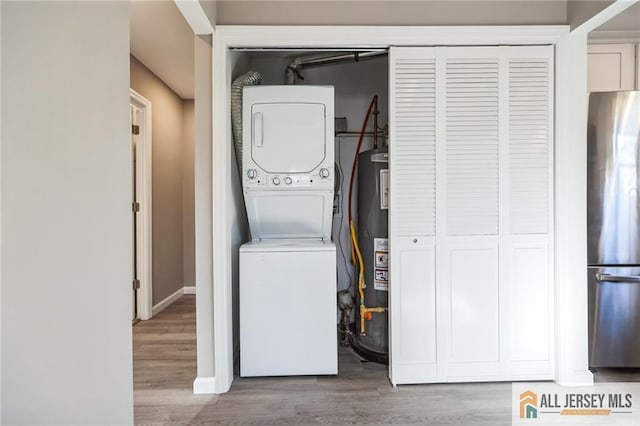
[
  {"x": 0, "y": 215},
  {"x": 570, "y": 216},
  {"x": 66, "y": 214},
  {"x": 203, "y": 179}
]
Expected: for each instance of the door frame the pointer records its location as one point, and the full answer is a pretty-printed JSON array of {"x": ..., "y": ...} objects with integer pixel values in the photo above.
[
  {"x": 570, "y": 337},
  {"x": 144, "y": 191}
]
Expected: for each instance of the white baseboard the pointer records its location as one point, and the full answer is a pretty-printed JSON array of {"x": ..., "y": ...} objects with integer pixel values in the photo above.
[
  {"x": 204, "y": 385},
  {"x": 578, "y": 378},
  {"x": 172, "y": 298},
  {"x": 167, "y": 301}
]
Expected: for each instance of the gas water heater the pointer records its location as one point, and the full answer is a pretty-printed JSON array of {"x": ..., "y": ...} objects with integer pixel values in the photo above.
[{"x": 373, "y": 207}]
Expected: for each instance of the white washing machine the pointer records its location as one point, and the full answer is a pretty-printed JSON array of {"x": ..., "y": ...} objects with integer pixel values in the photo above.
[
  {"x": 287, "y": 308},
  {"x": 288, "y": 270}
]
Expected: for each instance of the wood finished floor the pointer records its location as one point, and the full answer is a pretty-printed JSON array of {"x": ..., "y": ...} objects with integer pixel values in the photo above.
[{"x": 165, "y": 366}]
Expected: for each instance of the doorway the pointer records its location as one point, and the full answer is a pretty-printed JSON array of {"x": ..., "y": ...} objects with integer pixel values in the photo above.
[
  {"x": 140, "y": 111},
  {"x": 135, "y": 208}
]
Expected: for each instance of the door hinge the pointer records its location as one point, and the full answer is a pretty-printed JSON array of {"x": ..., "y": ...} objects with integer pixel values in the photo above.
[
  {"x": 135, "y": 207},
  {"x": 136, "y": 284},
  {"x": 135, "y": 129}
]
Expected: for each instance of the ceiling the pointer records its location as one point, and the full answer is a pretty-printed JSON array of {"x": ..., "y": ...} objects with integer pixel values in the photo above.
[{"x": 163, "y": 41}]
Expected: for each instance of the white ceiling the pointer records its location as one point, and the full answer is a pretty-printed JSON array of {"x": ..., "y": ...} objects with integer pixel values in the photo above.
[{"x": 163, "y": 41}]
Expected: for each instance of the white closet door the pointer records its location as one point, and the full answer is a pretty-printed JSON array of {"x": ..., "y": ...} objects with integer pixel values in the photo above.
[
  {"x": 526, "y": 219},
  {"x": 470, "y": 139},
  {"x": 467, "y": 232},
  {"x": 412, "y": 215},
  {"x": 471, "y": 293},
  {"x": 414, "y": 159}
]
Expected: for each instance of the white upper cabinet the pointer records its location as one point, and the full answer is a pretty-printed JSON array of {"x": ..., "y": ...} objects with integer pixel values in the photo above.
[
  {"x": 470, "y": 213},
  {"x": 611, "y": 67}
]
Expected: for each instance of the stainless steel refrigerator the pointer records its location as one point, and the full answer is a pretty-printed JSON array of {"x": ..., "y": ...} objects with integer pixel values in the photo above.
[{"x": 613, "y": 216}]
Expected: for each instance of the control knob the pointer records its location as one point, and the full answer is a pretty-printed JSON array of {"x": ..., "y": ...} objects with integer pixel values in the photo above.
[
  {"x": 276, "y": 180},
  {"x": 288, "y": 180},
  {"x": 252, "y": 173},
  {"x": 324, "y": 173}
]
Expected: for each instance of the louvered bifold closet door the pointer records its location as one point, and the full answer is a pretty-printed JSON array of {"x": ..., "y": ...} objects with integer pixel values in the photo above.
[
  {"x": 412, "y": 222},
  {"x": 471, "y": 134},
  {"x": 414, "y": 153},
  {"x": 471, "y": 295},
  {"x": 529, "y": 136},
  {"x": 526, "y": 220},
  {"x": 468, "y": 103}
]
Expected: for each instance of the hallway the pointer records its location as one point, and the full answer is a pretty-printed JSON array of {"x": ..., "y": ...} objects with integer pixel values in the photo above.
[{"x": 164, "y": 366}]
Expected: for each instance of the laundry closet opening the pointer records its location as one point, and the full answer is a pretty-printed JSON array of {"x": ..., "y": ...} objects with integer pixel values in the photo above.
[{"x": 310, "y": 141}]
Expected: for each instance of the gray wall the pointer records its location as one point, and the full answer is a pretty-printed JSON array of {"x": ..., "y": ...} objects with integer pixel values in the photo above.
[
  {"x": 391, "y": 12},
  {"x": 628, "y": 20},
  {"x": 353, "y": 93},
  {"x": 188, "y": 205},
  {"x": 66, "y": 212},
  {"x": 580, "y": 11},
  {"x": 167, "y": 233},
  {"x": 209, "y": 7}
]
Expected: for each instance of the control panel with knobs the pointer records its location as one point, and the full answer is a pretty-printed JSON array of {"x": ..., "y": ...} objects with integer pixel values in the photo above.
[{"x": 319, "y": 178}]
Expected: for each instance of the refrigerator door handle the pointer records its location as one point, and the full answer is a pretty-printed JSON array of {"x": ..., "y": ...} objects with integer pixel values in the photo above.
[{"x": 617, "y": 278}]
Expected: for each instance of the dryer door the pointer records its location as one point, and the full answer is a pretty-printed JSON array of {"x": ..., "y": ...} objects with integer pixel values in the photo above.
[{"x": 288, "y": 137}]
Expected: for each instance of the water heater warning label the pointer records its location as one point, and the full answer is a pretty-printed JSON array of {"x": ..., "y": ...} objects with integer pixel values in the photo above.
[{"x": 381, "y": 267}]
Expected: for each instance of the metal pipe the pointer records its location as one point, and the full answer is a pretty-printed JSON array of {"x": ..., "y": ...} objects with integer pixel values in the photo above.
[
  {"x": 298, "y": 64},
  {"x": 375, "y": 124},
  {"x": 355, "y": 133}
]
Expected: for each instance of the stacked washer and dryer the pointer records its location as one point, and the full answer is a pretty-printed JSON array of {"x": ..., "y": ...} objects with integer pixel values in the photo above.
[{"x": 288, "y": 269}]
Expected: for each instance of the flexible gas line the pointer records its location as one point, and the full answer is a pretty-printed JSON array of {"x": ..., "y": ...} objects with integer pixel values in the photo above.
[{"x": 365, "y": 312}]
